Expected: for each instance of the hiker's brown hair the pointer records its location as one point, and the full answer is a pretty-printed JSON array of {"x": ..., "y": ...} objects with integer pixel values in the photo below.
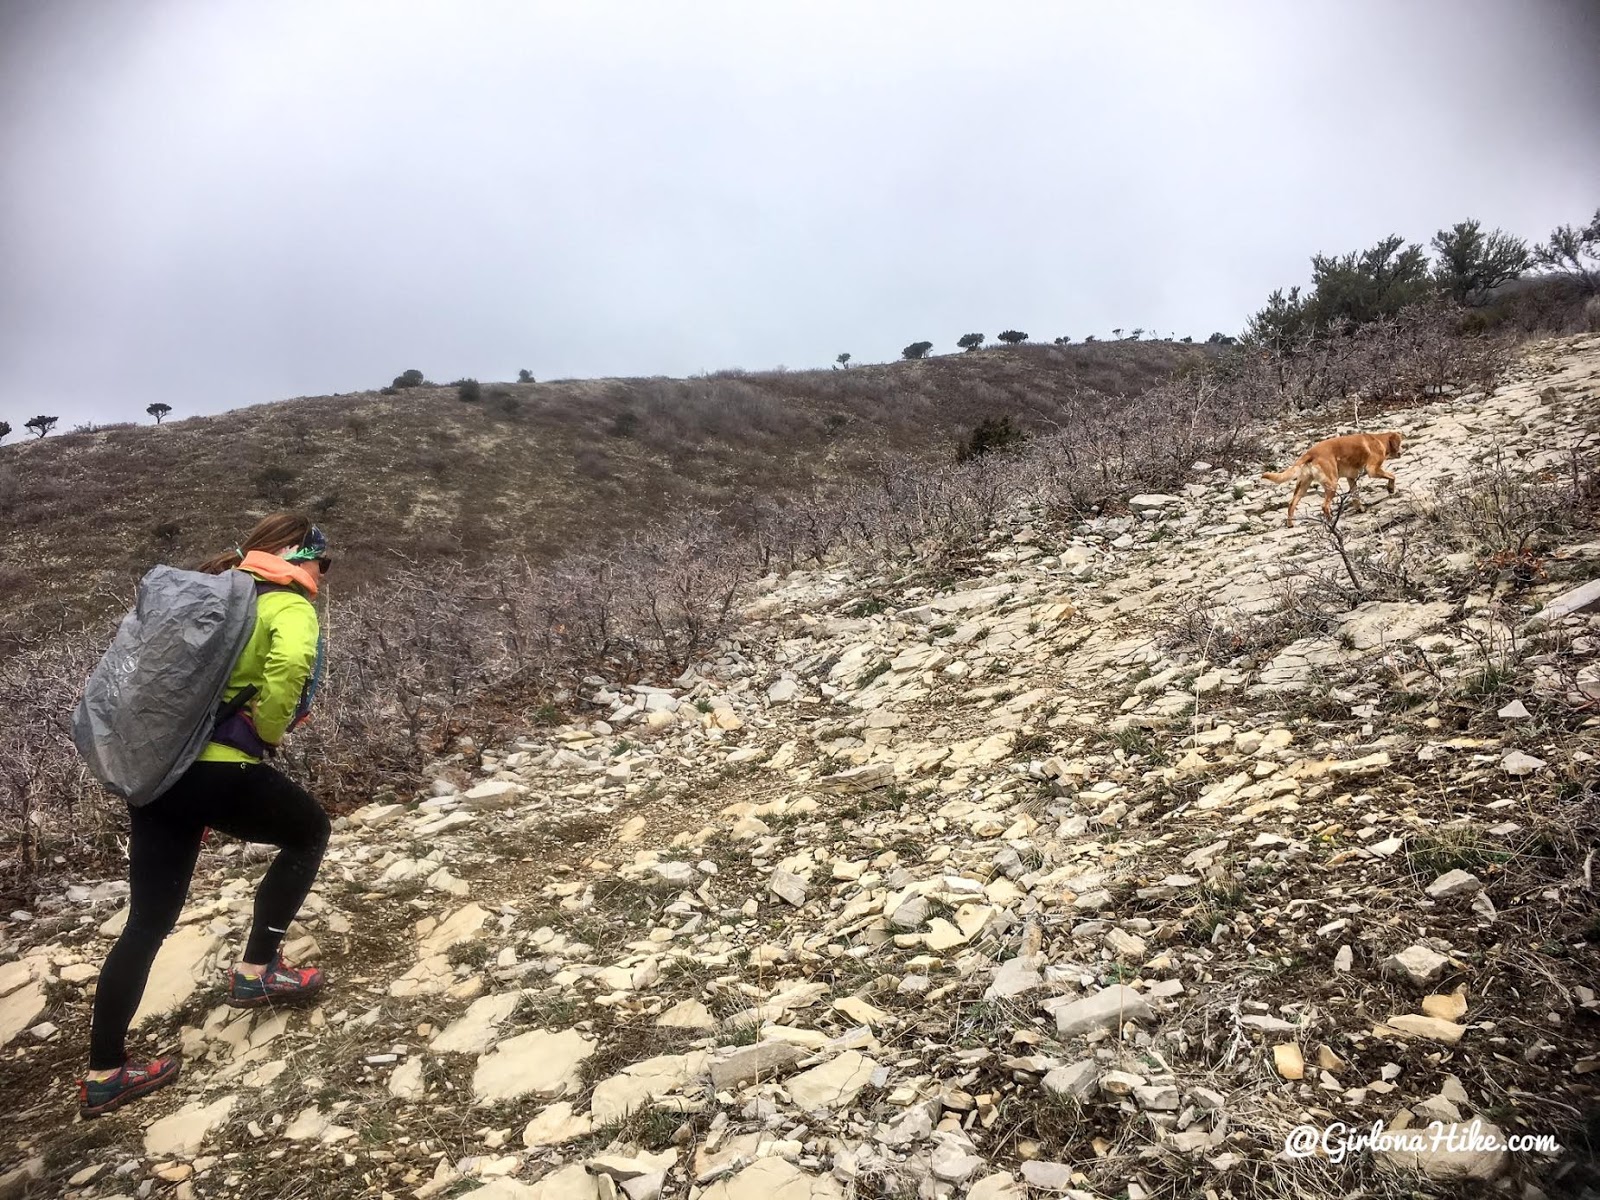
[{"x": 272, "y": 533}]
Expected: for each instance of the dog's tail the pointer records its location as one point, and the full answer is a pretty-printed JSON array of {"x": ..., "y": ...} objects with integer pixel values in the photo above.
[{"x": 1290, "y": 472}]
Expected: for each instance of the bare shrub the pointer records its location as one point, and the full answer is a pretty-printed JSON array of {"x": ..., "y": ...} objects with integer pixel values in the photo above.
[
  {"x": 275, "y": 484},
  {"x": 807, "y": 531},
  {"x": 929, "y": 515},
  {"x": 652, "y": 603},
  {"x": 1424, "y": 349},
  {"x": 1299, "y": 610},
  {"x": 50, "y": 806},
  {"x": 1503, "y": 519},
  {"x": 402, "y": 662},
  {"x": 1363, "y": 573}
]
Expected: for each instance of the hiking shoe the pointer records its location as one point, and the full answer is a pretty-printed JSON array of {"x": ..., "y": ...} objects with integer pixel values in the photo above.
[
  {"x": 278, "y": 984},
  {"x": 130, "y": 1082}
]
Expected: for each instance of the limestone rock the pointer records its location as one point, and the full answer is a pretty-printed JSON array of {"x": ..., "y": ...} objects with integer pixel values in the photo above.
[
  {"x": 312, "y": 1125},
  {"x": 537, "y": 1063},
  {"x": 773, "y": 1179},
  {"x": 997, "y": 1187},
  {"x": 687, "y": 1014},
  {"x": 788, "y": 887},
  {"x": 769, "y": 1060},
  {"x": 21, "y": 1009},
  {"x": 554, "y": 1125},
  {"x": 493, "y": 794},
  {"x": 1416, "y": 965},
  {"x": 1047, "y": 1176},
  {"x": 1413, "y": 1025},
  {"x": 181, "y": 1134},
  {"x": 1158, "y": 1097},
  {"x": 1016, "y": 976},
  {"x": 833, "y": 1084},
  {"x": 1153, "y": 502},
  {"x": 1451, "y": 1007},
  {"x": 954, "y": 1162},
  {"x": 1518, "y": 764},
  {"x": 183, "y": 960},
  {"x": 1455, "y": 883},
  {"x": 636, "y": 1086},
  {"x": 1288, "y": 1061},
  {"x": 406, "y": 1081},
  {"x": 1583, "y": 598},
  {"x": 475, "y": 1030},
  {"x": 460, "y": 926},
  {"x": 1108, "y": 1008}
]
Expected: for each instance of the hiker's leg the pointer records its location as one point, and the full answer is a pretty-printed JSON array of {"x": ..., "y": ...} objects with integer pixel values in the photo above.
[
  {"x": 163, "y": 844},
  {"x": 262, "y": 805}
]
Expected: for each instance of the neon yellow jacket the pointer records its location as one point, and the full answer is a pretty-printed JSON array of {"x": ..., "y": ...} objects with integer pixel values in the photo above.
[{"x": 278, "y": 658}]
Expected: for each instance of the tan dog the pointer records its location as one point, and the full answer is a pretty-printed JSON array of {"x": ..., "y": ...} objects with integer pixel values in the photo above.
[{"x": 1332, "y": 459}]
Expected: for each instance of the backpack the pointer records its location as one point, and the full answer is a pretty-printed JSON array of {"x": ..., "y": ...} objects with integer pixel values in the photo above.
[{"x": 154, "y": 698}]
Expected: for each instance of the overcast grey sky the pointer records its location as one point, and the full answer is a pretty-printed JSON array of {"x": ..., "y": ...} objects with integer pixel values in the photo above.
[{"x": 216, "y": 204}]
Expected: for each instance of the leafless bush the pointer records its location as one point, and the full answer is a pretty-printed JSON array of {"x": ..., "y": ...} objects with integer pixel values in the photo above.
[
  {"x": 929, "y": 514},
  {"x": 1425, "y": 349},
  {"x": 805, "y": 532},
  {"x": 655, "y": 601},
  {"x": 1299, "y": 610},
  {"x": 49, "y": 805},
  {"x": 1102, "y": 453},
  {"x": 403, "y": 662},
  {"x": 1504, "y": 518}
]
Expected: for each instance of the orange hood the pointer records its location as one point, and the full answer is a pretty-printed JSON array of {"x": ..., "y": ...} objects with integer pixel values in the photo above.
[{"x": 278, "y": 570}]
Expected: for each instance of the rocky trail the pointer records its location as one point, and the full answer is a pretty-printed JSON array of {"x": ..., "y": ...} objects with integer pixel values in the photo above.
[{"x": 1091, "y": 867}]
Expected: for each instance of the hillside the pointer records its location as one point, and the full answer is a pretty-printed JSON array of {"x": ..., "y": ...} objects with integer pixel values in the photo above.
[
  {"x": 1092, "y": 868},
  {"x": 419, "y": 479}
]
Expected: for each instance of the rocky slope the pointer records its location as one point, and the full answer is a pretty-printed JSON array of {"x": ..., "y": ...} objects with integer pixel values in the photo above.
[{"x": 1091, "y": 866}]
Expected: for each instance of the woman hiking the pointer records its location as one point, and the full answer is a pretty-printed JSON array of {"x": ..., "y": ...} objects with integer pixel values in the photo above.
[{"x": 228, "y": 788}]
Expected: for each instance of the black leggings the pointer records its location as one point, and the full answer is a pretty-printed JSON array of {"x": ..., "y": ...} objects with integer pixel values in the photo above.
[{"x": 250, "y": 801}]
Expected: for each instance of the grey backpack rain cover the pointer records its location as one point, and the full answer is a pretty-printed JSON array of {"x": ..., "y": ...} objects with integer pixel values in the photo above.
[{"x": 151, "y": 702}]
